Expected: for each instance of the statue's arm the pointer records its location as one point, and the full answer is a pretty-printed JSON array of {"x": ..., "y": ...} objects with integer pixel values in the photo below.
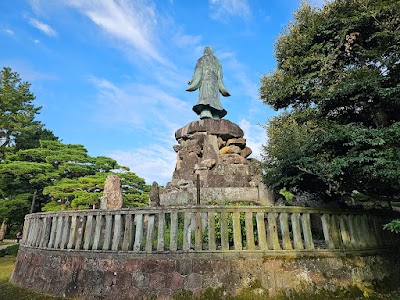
[
  {"x": 194, "y": 84},
  {"x": 221, "y": 85}
]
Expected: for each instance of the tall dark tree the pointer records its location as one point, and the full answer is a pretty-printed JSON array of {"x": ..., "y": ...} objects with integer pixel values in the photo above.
[
  {"x": 338, "y": 77},
  {"x": 17, "y": 112}
]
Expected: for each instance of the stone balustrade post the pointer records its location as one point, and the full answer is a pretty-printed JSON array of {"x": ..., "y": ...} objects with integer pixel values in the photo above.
[
  {"x": 284, "y": 224},
  {"x": 187, "y": 230},
  {"x": 261, "y": 232},
  {"x": 53, "y": 232},
  {"x": 173, "y": 245},
  {"x": 211, "y": 231},
  {"x": 296, "y": 229},
  {"x": 306, "y": 226},
  {"x": 98, "y": 232},
  {"x": 249, "y": 231},
  {"x": 138, "y": 233},
  {"x": 198, "y": 243},
  {"x": 237, "y": 231},
  {"x": 116, "y": 237},
  {"x": 224, "y": 231},
  {"x": 272, "y": 237},
  {"x": 150, "y": 234},
  {"x": 161, "y": 232}
]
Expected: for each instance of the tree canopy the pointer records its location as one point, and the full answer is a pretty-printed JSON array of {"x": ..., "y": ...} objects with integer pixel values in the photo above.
[{"x": 337, "y": 77}]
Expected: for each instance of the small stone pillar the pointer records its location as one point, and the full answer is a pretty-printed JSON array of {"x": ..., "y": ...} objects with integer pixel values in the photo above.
[
  {"x": 154, "y": 195},
  {"x": 112, "y": 195},
  {"x": 3, "y": 229}
]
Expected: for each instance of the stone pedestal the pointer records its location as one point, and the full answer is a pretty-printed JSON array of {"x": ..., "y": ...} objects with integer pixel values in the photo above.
[{"x": 217, "y": 152}]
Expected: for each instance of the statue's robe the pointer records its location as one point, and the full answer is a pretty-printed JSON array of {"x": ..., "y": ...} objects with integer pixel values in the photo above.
[{"x": 207, "y": 78}]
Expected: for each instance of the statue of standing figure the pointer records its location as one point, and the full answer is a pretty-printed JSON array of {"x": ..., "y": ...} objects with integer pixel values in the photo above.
[{"x": 207, "y": 78}]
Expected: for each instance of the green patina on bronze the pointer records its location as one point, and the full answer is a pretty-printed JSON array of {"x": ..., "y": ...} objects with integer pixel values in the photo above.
[{"x": 207, "y": 78}]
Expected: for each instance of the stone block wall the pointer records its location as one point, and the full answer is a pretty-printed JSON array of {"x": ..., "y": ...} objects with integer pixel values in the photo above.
[{"x": 106, "y": 275}]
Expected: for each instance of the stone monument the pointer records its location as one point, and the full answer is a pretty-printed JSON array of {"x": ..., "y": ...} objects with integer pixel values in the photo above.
[
  {"x": 154, "y": 199},
  {"x": 112, "y": 195},
  {"x": 213, "y": 149}
]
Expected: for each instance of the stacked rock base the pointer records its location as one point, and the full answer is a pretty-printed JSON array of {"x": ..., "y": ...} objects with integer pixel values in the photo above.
[{"x": 216, "y": 151}]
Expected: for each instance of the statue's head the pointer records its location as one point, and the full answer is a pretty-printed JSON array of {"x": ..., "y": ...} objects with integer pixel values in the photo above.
[{"x": 208, "y": 50}]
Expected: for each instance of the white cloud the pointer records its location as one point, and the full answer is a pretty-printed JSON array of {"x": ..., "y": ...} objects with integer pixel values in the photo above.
[
  {"x": 153, "y": 163},
  {"x": 43, "y": 27},
  {"x": 220, "y": 9},
  {"x": 138, "y": 104},
  {"x": 132, "y": 22}
]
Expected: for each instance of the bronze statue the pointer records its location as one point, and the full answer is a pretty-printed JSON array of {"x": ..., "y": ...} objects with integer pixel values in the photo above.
[{"x": 207, "y": 78}]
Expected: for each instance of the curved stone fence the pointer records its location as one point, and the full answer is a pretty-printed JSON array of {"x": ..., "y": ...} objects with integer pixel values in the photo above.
[{"x": 207, "y": 229}]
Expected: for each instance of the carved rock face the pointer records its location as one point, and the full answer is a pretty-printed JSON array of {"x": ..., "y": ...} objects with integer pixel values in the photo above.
[{"x": 216, "y": 150}]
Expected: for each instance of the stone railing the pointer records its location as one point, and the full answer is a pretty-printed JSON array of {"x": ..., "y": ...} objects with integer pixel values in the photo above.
[{"x": 207, "y": 229}]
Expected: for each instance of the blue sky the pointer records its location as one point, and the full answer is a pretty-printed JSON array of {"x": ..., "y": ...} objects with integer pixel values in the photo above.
[{"x": 112, "y": 74}]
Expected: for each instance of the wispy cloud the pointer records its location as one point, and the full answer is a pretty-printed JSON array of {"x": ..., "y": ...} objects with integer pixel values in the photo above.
[
  {"x": 43, "y": 27},
  {"x": 153, "y": 163},
  {"x": 184, "y": 40},
  {"x": 132, "y": 22},
  {"x": 135, "y": 103},
  {"x": 246, "y": 82},
  {"x": 8, "y": 32},
  {"x": 221, "y": 9}
]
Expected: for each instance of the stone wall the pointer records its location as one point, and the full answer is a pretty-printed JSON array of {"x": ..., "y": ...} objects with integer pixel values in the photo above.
[{"x": 106, "y": 275}]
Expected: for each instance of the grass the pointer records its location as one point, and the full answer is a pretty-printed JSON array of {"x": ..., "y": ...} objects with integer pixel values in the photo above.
[{"x": 2, "y": 243}]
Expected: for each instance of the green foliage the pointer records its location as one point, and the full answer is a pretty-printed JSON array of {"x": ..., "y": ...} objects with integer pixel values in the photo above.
[
  {"x": 338, "y": 78},
  {"x": 13, "y": 211},
  {"x": 288, "y": 195},
  {"x": 67, "y": 175},
  {"x": 10, "y": 250},
  {"x": 221, "y": 293},
  {"x": 16, "y": 110},
  {"x": 393, "y": 226},
  {"x": 182, "y": 295}
]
